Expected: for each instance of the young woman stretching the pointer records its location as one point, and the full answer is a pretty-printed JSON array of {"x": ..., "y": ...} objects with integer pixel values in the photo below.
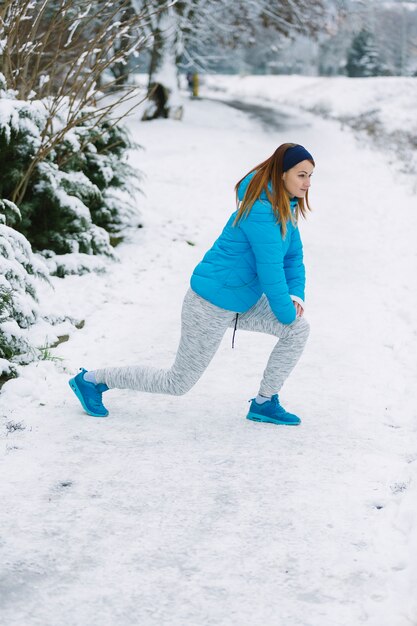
[{"x": 252, "y": 278}]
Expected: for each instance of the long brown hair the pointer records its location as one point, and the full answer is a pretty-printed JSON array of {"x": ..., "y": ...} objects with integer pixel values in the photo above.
[{"x": 271, "y": 171}]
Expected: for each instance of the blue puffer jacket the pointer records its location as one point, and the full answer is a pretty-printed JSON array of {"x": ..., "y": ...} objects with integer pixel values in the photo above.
[{"x": 252, "y": 258}]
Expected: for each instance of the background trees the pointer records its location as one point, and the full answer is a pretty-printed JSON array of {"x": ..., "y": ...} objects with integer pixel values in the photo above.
[
  {"x": 198, "y": 33},
  {"x": 363, "y": 58},
  {"x": 281, "y": 37},
  {"x": 391, "y": 37}
]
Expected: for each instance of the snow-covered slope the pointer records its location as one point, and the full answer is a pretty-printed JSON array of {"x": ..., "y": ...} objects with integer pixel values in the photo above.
[
  {"x": 178, "y": 511},
  {"x": 393, "y": 98},
  {"x": 383, "y": 108}
]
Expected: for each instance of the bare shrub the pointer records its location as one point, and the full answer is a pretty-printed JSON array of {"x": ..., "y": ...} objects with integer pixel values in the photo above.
[{"x": 61, "y": 51}]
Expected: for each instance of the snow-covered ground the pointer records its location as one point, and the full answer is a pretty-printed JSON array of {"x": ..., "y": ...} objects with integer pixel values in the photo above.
[
  {"x": 178, "y": 511},
  {"x": 383, "y": 109},
  {"x": 393, "y": 97}
]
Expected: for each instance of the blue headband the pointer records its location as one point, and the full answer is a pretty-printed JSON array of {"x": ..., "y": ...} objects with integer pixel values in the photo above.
[{"x": 295, "y": 155}]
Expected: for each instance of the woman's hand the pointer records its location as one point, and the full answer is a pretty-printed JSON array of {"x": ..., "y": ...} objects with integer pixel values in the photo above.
[{"x": 298, "y": 309}]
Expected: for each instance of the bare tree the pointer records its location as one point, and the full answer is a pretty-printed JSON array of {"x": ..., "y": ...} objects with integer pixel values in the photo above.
[
  {"x": 189, "y": 28},
  {"x": 60, "y": 51}
]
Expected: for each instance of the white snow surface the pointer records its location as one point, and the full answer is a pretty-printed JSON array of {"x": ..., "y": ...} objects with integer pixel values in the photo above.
[
  {"x": 393, "y": 98},
  {"x": 177, "y": 510},
  {"x": 382, "y": 108}
]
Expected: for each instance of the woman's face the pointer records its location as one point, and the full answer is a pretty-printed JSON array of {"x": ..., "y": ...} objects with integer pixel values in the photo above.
[{"x": 297, "y": 180}]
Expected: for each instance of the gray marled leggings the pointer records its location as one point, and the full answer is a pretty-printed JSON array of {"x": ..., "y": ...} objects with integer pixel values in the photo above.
[{"x": 202, "y": 329}]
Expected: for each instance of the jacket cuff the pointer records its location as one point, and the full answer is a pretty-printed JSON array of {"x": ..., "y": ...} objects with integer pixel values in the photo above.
[{"x": 299, "y": 300}]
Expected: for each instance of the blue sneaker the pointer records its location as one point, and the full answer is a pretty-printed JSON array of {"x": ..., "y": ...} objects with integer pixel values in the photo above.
[
  {"x": 272, "y": 412},
  {"x": 89, "y": 394}
]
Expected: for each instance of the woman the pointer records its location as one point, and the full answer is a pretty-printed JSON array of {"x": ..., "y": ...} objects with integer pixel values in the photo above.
[{"x": 252, "y": 278}]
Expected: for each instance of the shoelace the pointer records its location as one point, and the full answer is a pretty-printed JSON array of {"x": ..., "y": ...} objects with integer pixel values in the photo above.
[
  {"x": 277, "y": 407},
  {"x": 97, "y": 398}
]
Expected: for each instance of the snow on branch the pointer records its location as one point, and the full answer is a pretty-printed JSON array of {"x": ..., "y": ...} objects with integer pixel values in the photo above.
[{"x": 62, "y": 53}]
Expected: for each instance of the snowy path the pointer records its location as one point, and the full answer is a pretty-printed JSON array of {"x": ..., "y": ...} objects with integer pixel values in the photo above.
[{"x": 178, "y": 511}]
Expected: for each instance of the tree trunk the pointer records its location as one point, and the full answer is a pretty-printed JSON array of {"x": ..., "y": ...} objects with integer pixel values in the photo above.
[{"x": 164, "y": 96}]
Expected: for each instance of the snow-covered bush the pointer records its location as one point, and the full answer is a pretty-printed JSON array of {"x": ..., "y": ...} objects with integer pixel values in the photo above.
[
  {"x": 67, "y": 198},
  {"x": 18, "y": 302},
  {"x": 108, "y": 185}
]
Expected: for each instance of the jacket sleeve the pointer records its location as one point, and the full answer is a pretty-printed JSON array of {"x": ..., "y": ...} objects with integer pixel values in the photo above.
[
  {"x": 264, "y": 236},
  {"x": 294, "y": 266}
]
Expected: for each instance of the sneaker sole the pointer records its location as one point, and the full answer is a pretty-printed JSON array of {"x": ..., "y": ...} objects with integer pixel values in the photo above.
[
  {"x": 79, "y": 395},
  {"x": 255, "y": 417}
]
